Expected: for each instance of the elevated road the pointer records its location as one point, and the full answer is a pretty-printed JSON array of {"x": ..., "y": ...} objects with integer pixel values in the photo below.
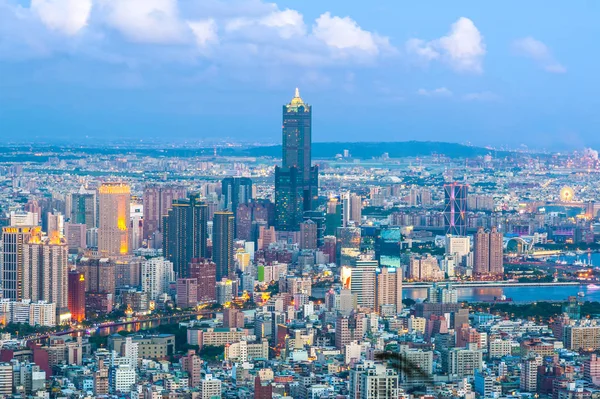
[{"x": 480, "y": 284}]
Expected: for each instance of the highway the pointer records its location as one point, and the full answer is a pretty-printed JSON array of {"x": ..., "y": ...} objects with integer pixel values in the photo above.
[{"x": 96, "y": 328}]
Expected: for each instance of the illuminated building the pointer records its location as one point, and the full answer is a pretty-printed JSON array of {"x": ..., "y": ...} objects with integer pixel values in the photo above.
[
  {"x": 157, "y": 202},
  {"x": 157, "y": 273},
  {"x": 185, "y": 233},
  {"x": 13, "y": 265},
  {"x": 224, "y": 291},
  {"x": 223, "y": 226},
  {"x": 488, "y": 258},
  {"x": 113, "y": 229},
  {"x": 296, "y": 181},
  {"x": 363, "y": 281},
  {"x": 77, "y": 295},
  {"x": 455, "y": 209}
]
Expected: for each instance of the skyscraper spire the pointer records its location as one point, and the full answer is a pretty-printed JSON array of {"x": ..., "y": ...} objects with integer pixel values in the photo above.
[{"x": 297, "y": 93}]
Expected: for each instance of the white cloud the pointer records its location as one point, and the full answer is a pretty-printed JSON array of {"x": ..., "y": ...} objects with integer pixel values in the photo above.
[
  {"x": 439, "y": 92},
  {"x": 463, "y": 48},
  {"x": 344, "y": 33},
  {"x": 481, "y": 96},
  {"x": 288, "y": 22},
  {"x": 205, "y": 31},
  {"x": 144, "y": 21},
  {"x": 539, "y": 52},
  {"x": 65, "y": 16}
]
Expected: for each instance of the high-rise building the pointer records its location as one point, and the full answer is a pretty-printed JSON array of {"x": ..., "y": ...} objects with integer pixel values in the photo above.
[
  {"x": 296, "y": 181},
  {"x": 76, "y": 236},
  {"x": 389, "y": 289},
  {"x": 185, "y": 233},
  {"x": 460, "y": 246},
  {"x": 251, "y": 216},
  {"x": 82, "y": 208},
  {"x": 13, "y": 265},
  {"x": 113, "y": 229},
  {"x": 529, "y": 373},
  {"x": 355, "y": 213},
  {"x": 362, "y": 282},
  {"x": 210, "y": 387},
  {"x": 157, "y": 273},
  {"x": 373, "y": 381},
  {"x": 77, "y": 295},
  {"x": 223, "y": 225},
  {"x": 488, "y": 259},
  {"x": 455, "y": 209},
  {"x": 425, "y": 268},
  {"x": 236, "y": 191},
  {"x": 187, "y": 292},
  {"x": 308, "y": 235},
  {"x": 205, "y": 272},
  {"x": 45, "y": 273},
  {"x": 192, "y": 364},
  {"x": 157, "y": 202}
]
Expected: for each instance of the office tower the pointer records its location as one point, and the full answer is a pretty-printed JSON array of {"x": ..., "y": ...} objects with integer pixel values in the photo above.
[
  {"x": 318, "y": 217},
  {"x": 45, "y": 273},
  {"x": 224, "y": 291},
  {"x": 185, "y": 233},
  {"x": 187, "y": 292},
  {"x": 223, "y": 225},
  {"x": 75, "y": 235},
  {"x": 355, "y": 202},
  {"x": 55, "y": 222},
  {"x": 136, "y": 224},
  {"x": 363, "y": 280},
  {"x": 296, "y": 181},
  {"x": 205, "y": 272},
  {"x": 99, "y": 274},
  {"x": 460, "y": 246},
  {"x": 76, "y": 295},
  {"x": 13, "y": 265},
  {"x": 488, "y": 254},
  {"x": 113, "y": 229},
  {"x": 157, "y": 202},
  {"x": 455, "y": 209},
  {"x": 236, "y": 191},
  {"x": 23, "y": 218},
  {"x": 308, "y": 235},
  {"x": 334, "y": 218},
  {"x": 82, "y": 208},
  {"x": 157, "y": 273},
  {"x": 389, "y": 289},
  {"x": 252, "y": 215}
]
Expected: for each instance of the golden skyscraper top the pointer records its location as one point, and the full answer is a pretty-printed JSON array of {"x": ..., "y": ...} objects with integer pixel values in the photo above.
[{"x": 297, "y": 102}]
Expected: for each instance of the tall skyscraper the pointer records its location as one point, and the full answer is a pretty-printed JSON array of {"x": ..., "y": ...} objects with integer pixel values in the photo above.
[
  {"x": 13, "y": 265},
  {"x": 185, "y": 233},
  {"x": 362, "y": 282},
  {"x": 236, "y": 191},
  {"x": 308, "y": 235},
  {"x": 488, "y": 259},
  {"x": 296, "y": 181},
  {"x": 157, "y": 273},
  {"x": 45, "y": 273},
  {"x": 113, "y": 229},
  {"x": 82, "y": 208},
  {"x": 77, "y": 295},
  {"x": 157, "y": 202},
  {"x": 223, "y": 225},
  {"x": 455, "y": 209}
]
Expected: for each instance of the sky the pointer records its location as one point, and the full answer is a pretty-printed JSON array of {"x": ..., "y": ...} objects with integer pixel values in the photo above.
[{"x": 505, "y": 74}]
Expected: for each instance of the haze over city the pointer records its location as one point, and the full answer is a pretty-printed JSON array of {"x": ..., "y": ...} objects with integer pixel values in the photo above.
[{"x": 469, "y": 72}]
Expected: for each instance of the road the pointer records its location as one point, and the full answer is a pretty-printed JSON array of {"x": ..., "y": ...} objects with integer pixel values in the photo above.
[{"x": 70, "y": 331}]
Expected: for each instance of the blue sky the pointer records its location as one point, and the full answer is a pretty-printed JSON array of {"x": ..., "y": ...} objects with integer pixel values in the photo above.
[{"x": 488, "y": 73}]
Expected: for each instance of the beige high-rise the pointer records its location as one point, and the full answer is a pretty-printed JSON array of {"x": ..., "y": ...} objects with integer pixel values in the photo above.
[
  {"x": 113, "y": 230},
  {"x": 389, "y": 288}
]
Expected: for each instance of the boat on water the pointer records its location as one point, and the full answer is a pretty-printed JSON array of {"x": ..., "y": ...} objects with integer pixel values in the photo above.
[
  {"x": 570, "y": 253},
  {"x": 580, "y": 252},
  {"x": 581, "y": 294},
  {"x": 502, "y": 299},
  {"x": 593, "y": 287}
]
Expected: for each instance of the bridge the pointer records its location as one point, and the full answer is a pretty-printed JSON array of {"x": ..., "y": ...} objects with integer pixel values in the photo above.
[{"x": 481, "y": 284}]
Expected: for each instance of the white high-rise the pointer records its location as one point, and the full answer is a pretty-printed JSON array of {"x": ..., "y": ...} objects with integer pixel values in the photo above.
[{"x": 157, "y": 273}]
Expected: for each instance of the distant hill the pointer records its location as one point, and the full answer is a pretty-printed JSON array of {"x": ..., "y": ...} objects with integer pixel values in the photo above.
[{"x": 369, "y": 150}]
